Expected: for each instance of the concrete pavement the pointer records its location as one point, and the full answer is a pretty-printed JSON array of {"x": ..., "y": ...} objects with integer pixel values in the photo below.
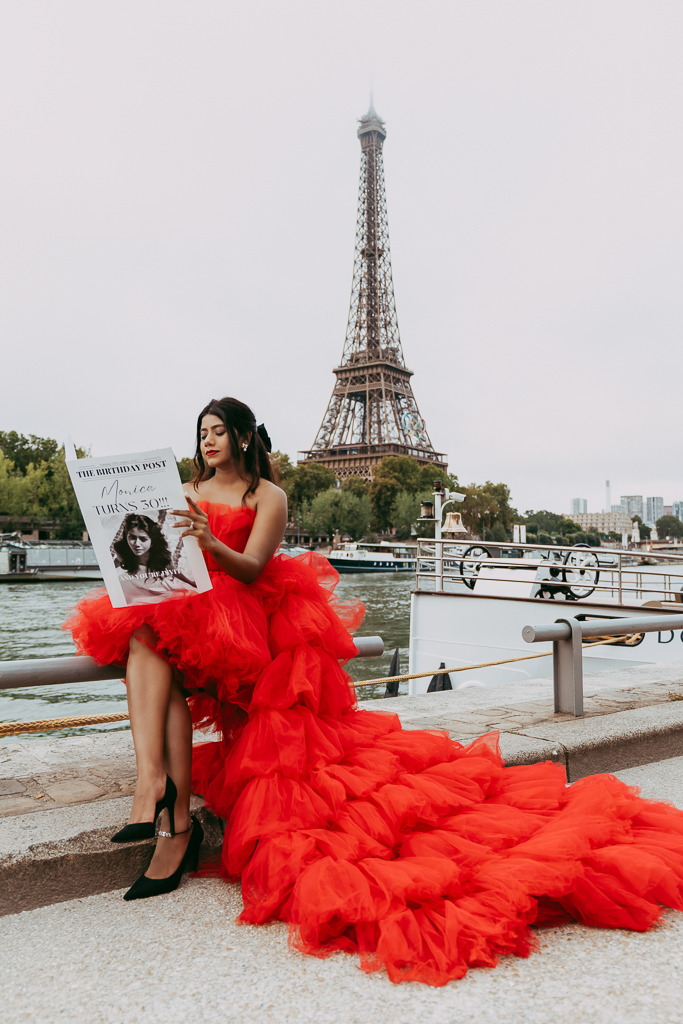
[{"x": 182, "y": 958}]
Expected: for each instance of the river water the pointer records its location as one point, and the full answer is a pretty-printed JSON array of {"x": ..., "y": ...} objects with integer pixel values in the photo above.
[{"x": 31, "y": 615}]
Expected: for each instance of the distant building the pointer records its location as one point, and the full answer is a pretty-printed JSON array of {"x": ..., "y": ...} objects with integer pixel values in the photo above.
[
  {"x": 654, "y": 510},
  {"x": 632, "y": 504},
  {"x": 668, "y": 510},
  {"x": 677, "y": 510},
  {"x": 603, "y": 522},
  {"x": 618, "y": 508},
  {"x": 579, "y": 505}
]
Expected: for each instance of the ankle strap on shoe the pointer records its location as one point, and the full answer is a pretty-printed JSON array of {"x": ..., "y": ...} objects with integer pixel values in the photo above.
[{"x": 169, "y": 835}]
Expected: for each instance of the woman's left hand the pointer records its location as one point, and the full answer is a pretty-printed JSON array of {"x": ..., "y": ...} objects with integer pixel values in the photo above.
[{"x": 198, "y": 523}]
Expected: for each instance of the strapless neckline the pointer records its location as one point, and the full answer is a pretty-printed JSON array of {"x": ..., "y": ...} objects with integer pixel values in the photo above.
[{"x": 230, "y": 508}]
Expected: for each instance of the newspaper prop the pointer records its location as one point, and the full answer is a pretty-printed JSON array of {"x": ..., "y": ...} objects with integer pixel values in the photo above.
[{"x": 126, "y": 502}]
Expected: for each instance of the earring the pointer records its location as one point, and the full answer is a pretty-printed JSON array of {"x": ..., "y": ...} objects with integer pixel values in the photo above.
[{"x": 244, "y": 446}]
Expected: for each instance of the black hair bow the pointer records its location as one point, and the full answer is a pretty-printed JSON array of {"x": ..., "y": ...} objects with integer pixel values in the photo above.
[{"x": 263, "y": 434}]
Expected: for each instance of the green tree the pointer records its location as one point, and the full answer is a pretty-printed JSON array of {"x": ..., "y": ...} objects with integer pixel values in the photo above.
[
  {"x": 427, "y": 476},
  {"x": 669, "y": 526},
  {"x": 337, "y": 510},
  {"x": 480, "y": 509},
  {"x": 185, "y": 469},
  {"x": 24, "y": 451},
  {"x": 43, "y": 490},
  {"x": 592, "y": 537},
  {"x": 507, "y": 515},
  {"x": 24, "y": 494},
  {"x": 643, "y": 529},
  {"x": 547, "y": 521},
  {"x": 497, "y": 533},
  {"x": 401, "y": 475},
  {"x": 401, "y": 468},
  {"x": 404, "y": 513},
  {"x": 57, "y": 498},
  {"x": 356, "y": 484},
  {"x": 306, "y": 482},
  {"x": 394, "y": 475},
  {"x": 383, "y": 494},
  {"x": 11, "y": 489},
  {"x": 488, "y": 506},
  {"x": 284, "y": 469},
  {"x": 552, "y": 524},
  {"x": 358, "y": 521}
]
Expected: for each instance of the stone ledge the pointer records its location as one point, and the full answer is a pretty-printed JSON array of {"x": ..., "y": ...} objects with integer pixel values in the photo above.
[
  {"x": 42, "y": 774},
  {"x": 608, "y": 739},
  {"x": 66, "y": 853},
  {"x": 617, "y": 741}
]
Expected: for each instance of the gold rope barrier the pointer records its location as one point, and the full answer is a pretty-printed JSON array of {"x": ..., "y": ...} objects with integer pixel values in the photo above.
[
  {"x": 483, "y": 664},
  {"x": 444, "y": 671},
  {"x": 14, "y": 728},
  {"x": 47, "y": 724}
]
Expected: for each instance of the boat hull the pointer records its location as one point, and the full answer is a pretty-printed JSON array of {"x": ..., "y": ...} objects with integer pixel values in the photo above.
[
  {"x": 459, "y": 629},
  {"x": 63, "y": 576}
]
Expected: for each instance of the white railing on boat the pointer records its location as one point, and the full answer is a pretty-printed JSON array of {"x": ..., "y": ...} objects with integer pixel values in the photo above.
[{"x": 560, "y": 572}]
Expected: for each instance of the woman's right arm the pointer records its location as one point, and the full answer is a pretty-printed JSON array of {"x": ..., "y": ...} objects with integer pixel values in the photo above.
[{"x": 264, "y": 540}]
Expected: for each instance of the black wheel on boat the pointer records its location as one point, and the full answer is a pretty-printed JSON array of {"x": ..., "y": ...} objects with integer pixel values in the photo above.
[
  {"x": 472, "y": 558},
  {"x": 550, "y": 577},
  {"x": 581, "y": 572}
]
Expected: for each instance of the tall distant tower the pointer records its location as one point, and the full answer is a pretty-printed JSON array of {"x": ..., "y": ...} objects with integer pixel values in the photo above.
[{"x": 372, "y": 411}]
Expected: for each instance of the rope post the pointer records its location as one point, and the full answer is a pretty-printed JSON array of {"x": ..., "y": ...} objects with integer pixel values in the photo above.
[{"x": 568, "y": 670}]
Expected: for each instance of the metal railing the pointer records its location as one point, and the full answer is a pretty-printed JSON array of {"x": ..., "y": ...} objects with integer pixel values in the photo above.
[
  {"x": 566, "y": 634},
  {"x": 552, "y": 571},
  {"x": 567, "y": 637},
  {"x": 63, "y": 671},
  {"x": 16, "y": 675}
]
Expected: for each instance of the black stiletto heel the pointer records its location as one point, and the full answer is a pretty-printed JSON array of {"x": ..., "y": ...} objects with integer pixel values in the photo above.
[
  {"x": 145, "y": 829},
  {"x": 145, "y": 887}
]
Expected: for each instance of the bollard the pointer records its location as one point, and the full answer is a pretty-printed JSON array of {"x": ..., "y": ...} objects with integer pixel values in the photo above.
[
  {"x": 568, "y": 670},
  {"x": 567, "y": 635}
]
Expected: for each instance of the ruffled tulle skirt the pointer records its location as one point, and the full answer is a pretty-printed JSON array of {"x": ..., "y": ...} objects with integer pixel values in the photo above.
[{"x": 423, "y": 856}]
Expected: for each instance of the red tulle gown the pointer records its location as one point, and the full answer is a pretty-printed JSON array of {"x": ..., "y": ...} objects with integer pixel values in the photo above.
[{"x": 423, "y": 856}]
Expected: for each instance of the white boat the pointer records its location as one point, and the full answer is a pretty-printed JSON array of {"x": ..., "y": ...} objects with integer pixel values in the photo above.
[
  {"x": 384, "y": 556},
  {"x": 471, "y": 602},
  {"x": 29, "y": 561}
]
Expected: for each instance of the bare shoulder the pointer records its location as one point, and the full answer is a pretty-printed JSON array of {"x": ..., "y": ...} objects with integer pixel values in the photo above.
[{"x": 269, "y": 496}]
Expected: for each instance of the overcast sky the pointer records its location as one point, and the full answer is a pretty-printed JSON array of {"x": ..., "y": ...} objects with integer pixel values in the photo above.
[{"x": 178, "y": 206}]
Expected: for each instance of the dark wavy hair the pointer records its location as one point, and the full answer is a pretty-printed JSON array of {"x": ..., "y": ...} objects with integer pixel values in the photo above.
[
  {"x": 240, "y": 422},
  {"x": 159, "y": 555}
]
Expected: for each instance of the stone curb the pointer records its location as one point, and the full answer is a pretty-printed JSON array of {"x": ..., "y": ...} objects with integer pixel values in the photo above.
[
  {"x": 56, "y": 855},
  {"x": 613, "y": 743},
  {"x": 585, "y": 746}
]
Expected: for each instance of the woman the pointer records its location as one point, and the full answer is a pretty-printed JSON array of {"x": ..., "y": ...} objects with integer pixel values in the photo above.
[
  {"x": 146, "y": 570},
  {"x": 423, "y": 856}
]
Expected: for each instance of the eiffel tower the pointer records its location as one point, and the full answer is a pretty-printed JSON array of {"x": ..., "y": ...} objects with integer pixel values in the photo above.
[{"x": 372, "y": 412}]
